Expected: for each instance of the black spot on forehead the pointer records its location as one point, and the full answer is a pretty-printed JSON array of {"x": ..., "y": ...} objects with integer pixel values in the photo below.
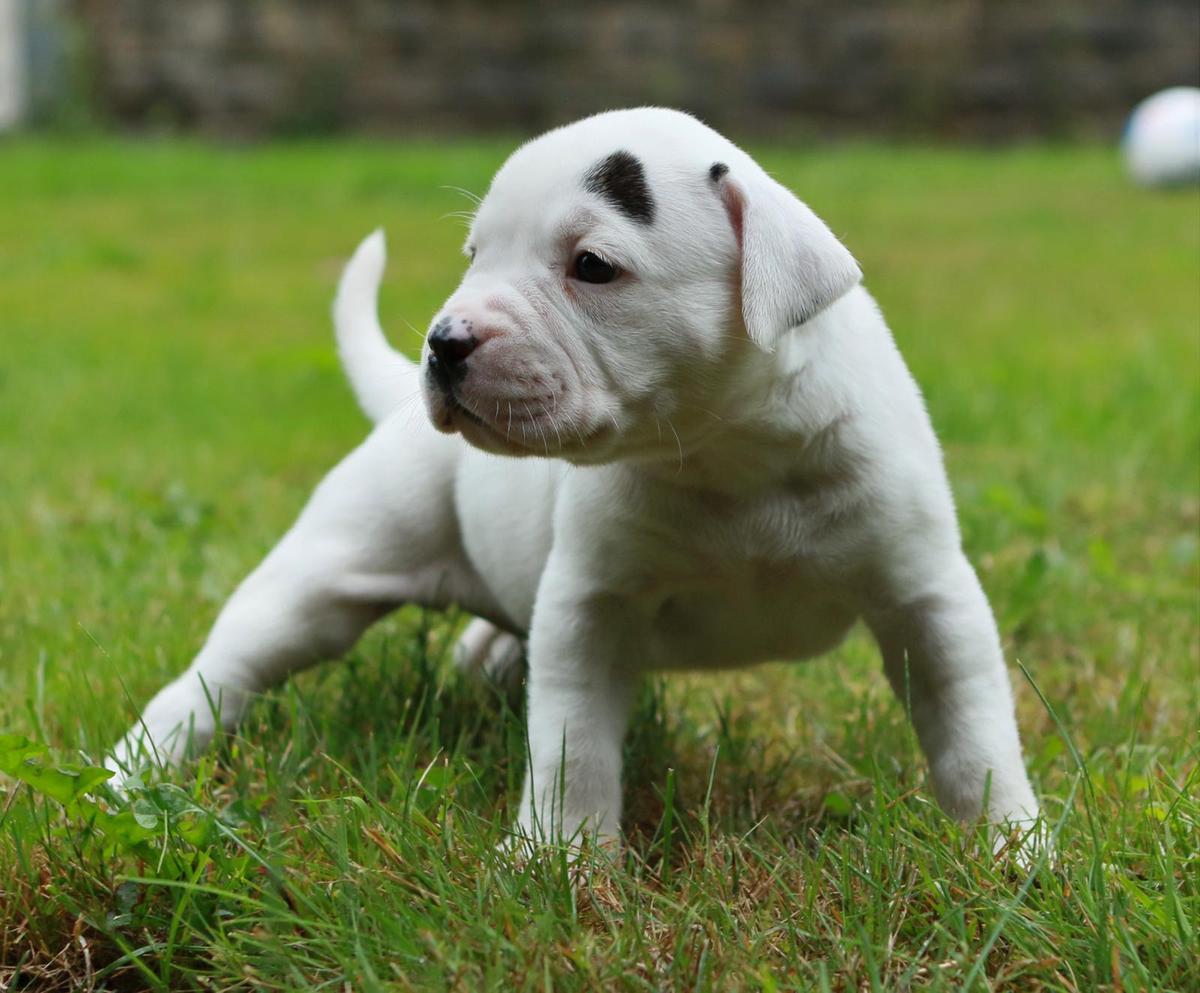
[
  {"x": 717, "y": 171},
  {"x": 621, "y": 180}
]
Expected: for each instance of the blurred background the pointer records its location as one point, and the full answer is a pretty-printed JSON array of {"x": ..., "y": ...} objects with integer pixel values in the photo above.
[{"x": 980, "y": 69}]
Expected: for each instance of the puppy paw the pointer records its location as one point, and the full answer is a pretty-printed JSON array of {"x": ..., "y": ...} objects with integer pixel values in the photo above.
[
  {"x": 1024, "y": 841},
  {"x": 136, "y": 756},
  {"x": 182, "y": 718},
  {"x": 487, "y": 652},
  {"x": 524, "y": 843}
]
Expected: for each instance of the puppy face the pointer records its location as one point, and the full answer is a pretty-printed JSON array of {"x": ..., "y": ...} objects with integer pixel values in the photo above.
[{"x": 619, "y": 270}]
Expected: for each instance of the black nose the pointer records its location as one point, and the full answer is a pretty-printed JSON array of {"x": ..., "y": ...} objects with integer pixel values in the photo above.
[{"x": 451, "y": 341}]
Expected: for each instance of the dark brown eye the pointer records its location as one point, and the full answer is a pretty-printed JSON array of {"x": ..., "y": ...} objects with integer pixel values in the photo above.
[{"x": 590, "y": 268}]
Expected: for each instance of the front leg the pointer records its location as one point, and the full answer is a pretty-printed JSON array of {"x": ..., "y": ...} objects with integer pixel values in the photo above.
[
  {"x": 582, "y": 675},
  {"x": 378, "y": 531},
  {"x": 942, "y": 656}
]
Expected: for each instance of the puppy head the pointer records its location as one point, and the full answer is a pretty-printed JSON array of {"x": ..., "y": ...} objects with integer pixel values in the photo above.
[{"x": 620, "y": 269}]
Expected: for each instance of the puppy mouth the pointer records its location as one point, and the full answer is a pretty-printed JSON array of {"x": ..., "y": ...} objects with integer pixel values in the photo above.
[
  {"x": 455, "y": 406},
  {"x": 515, "y": 430}
]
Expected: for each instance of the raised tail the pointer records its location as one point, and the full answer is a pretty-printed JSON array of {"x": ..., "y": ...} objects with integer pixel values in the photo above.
[{"x": 379, "y": 375}]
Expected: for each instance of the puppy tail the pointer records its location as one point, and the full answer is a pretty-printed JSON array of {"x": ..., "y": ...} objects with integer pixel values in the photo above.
[{"x": 379, "y": 375}]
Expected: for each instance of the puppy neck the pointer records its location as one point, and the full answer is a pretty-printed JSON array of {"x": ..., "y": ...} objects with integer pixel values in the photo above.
[{"x": 774, "y": 418}]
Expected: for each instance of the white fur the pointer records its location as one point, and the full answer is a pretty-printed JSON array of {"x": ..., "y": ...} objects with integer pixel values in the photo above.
[
  {"x": 706, "y": 484},
  {"x": 376, "y": 371}
]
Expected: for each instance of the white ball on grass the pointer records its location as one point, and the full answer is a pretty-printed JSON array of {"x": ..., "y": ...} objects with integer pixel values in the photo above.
[{"x": 1162, "y": 139}]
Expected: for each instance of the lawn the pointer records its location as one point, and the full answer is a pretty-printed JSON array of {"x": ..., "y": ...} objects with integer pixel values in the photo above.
[{"x": 169, "y": 395}]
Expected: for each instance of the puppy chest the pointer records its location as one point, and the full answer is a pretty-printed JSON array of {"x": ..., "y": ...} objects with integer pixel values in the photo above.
[{"x": 757, "y": 613}]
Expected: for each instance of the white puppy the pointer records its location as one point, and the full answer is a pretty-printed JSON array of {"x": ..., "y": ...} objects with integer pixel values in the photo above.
[{"x": 740, "y": 467}]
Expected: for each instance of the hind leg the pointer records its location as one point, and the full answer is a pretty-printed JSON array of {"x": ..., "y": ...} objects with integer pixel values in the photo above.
[
  {"x": 491, "y": 653},
  {"x": 380, "y": 530}
]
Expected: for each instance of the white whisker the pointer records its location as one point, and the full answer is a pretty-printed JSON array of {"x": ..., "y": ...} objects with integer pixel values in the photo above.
[
  {"x": 417, "y": 331},
  {"x": 473, "y": 197},
  {"x": 678, "y": 443}
]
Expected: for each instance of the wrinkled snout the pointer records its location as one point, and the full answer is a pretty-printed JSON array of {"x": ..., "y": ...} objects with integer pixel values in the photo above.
[
  {"x": 466, "y": 363},
  {"x": 496, "y": 373},
  {"x": 458, "y": 338}
]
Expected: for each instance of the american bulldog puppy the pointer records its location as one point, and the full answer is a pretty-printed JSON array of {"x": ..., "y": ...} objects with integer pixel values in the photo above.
[{"x": 667, "y": 428}]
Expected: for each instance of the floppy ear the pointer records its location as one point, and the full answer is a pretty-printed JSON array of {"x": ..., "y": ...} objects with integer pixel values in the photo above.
[{"x": 792, "y": 266}]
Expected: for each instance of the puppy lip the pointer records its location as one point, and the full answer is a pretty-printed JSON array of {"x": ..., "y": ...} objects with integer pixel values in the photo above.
[
  {"x": 456, "y": 406},
  {"x": 499, "y": 437},
  {"x": 440, "y": 407}
]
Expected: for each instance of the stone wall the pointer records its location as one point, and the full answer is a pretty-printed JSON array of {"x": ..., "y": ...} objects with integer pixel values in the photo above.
[{"x": 978, "y": 68}]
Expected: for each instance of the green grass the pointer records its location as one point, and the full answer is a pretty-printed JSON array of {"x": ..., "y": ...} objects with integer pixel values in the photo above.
[{"x": 168, "y": 397}]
